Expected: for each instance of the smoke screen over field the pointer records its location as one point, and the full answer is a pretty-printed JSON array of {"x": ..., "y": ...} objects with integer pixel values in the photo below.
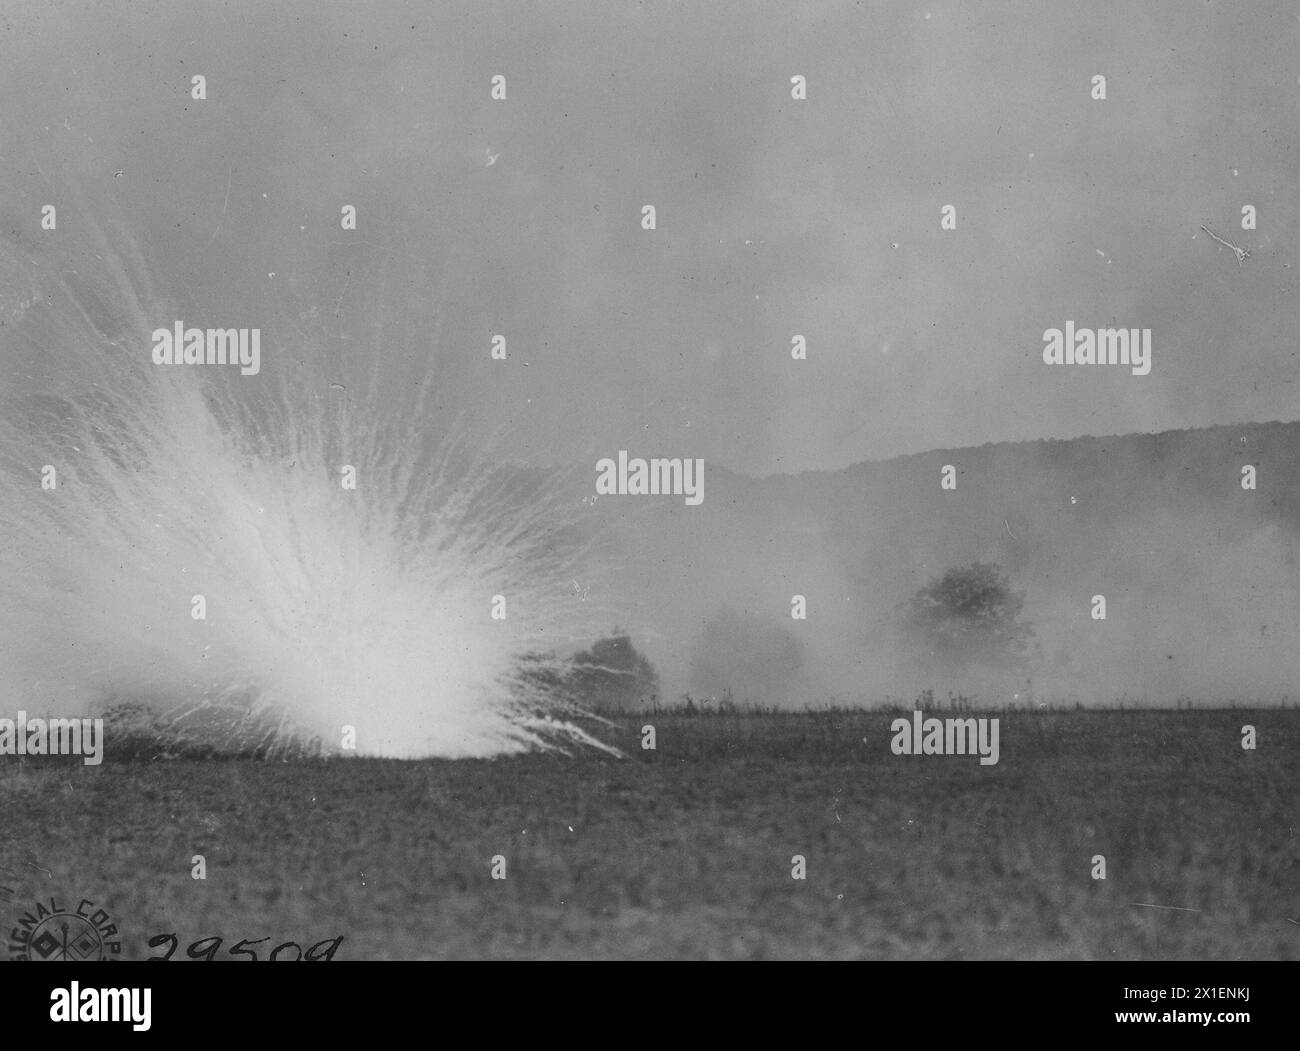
[{"x": 774, "y": 218}]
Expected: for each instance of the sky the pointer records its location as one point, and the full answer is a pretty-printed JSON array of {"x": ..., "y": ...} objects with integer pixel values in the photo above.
[{"x": 775, "y": 217}]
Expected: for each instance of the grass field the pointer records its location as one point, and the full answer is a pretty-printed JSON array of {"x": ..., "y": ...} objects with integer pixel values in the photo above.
[{"x": 685, "y": 851}]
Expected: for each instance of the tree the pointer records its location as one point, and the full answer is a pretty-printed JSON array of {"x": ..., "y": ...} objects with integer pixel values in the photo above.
[
  {"x": 969, "y": 616},
  {"x": 613, "y": 676}
]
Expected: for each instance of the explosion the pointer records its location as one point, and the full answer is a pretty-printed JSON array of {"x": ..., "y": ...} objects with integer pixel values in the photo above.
[{"x": 311, "y": 548}]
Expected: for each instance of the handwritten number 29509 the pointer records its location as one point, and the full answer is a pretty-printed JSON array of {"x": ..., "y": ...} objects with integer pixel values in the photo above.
[{"x": 206, "y": 949}]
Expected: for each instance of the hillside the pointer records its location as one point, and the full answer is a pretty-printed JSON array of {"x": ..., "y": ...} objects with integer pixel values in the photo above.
[{"x": 1199, "y": 574}]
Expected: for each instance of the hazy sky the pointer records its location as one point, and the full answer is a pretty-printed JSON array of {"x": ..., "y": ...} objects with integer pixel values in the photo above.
[{"x": 775, "y": 217}]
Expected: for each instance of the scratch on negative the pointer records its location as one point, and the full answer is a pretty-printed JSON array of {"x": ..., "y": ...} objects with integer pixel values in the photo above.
[
  {"x": 226, "y": 204},
  {"x": 1175, "y": 908},
  {"x": 1241, "y": 253},
  {"x": 339, "y": 302}
]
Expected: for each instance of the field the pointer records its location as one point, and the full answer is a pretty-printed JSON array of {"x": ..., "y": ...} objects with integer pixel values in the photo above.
[{"x": 685, "y": 851}]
